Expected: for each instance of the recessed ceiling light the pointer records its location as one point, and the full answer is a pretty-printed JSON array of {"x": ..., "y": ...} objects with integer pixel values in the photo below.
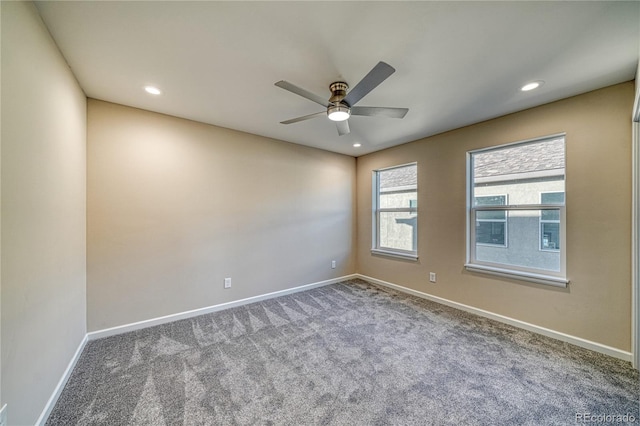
[
  {"x": 152, "y": 90},
  {"x": 532, "y": 85},
  {"x": 357, "y": 145}
]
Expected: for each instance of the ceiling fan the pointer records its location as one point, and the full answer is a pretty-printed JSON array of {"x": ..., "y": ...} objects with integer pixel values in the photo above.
[{"x": 341, "y": 104}]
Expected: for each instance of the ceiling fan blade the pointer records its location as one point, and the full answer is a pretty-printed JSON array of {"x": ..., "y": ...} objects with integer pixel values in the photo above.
[
  {"x": 302, "y": 92},
  {"x": 304, "y": 117},
  {"x": 380, "y": 111},
  {"x": 343, "y": 127},
  {"x": 377, "y": 75}
]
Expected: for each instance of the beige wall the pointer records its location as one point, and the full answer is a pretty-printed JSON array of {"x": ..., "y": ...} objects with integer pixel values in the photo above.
[
  {"x": 1, "y": 400},
  {"x": 596, "y": 306},
  {"x": 175, "y": 206},
  {"x": 43, "y": 269}
]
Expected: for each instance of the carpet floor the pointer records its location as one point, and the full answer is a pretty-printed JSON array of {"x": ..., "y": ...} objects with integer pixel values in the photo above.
[{"x": 345, "y": 354}]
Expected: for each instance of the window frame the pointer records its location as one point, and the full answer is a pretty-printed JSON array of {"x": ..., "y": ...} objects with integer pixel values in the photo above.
[
  {"x": 376, "y": 248},
  {"x": 540, "y": 276}
]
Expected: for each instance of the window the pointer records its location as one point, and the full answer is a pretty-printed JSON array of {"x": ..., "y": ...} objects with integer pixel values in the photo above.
[
  {"x": 550, "y": 221},
  {"x": 491, "y": 226},
  {"x": 395, "y": 210},
  {"x": 516, "y": 210}
]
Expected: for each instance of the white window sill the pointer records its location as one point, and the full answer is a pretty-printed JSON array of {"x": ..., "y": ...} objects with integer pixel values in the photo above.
[
  {"x": 396, "y": 254},
  {"x": 519, "y": 275}
]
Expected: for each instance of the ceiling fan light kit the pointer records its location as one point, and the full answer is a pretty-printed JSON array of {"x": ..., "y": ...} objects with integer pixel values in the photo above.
[
  {"x": 338, "y": 112},
  {"x": 340, "y": 105}
]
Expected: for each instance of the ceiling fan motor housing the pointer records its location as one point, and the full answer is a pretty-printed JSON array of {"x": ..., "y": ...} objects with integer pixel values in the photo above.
[{"x": 338, "y": 91}]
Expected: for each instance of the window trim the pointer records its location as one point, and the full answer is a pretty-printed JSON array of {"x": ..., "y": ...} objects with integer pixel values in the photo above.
[
  {"x": 518, "y": 275},
  {"x": 540, "y": 276},
  {"x": 376, "y": 248}
]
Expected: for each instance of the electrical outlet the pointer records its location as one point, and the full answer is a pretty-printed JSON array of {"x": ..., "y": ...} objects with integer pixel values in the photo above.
[
  {"x": 432, "y": 277},
  {"x": 3, "y": 416},
  {"x": 333, "y": 264},
  {"x": 227, "y": 284}
]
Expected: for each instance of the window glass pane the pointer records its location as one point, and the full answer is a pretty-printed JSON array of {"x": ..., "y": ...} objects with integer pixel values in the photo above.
[
  {"x": 552, "y": 198},
  {"x": 398, "y": 230},
  {"x": 398, "y": 177},
  {"x": 491, "y": 215},
  {"x": 398, "y": 199},
  {"x": 550, "y": 236},
  {"x": 520, "y": 171},
  {"x": 523, "y": 244},
  {"x": 491, "y": 224},
  {"x": 550, "y": 214},
  {"x": 490, "y": 233},
  {"x": 491, "y": 200},
  {"x": 397, "y": 190},
  {"x": 398, "y": 187},
  {"x": 520, "y": 177}
]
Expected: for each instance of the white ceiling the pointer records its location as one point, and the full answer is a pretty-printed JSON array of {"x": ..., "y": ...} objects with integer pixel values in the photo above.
[{"x": 457, "y": 63}]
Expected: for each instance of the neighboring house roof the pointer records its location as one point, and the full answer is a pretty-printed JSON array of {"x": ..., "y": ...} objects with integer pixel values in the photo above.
[
  {"x": 400, "y": 177},
  {"x": 528, "y": 158},
  {"x": 540, "y": 159}
]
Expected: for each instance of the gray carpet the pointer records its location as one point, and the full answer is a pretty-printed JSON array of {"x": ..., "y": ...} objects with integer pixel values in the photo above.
[{"x": 345, "y": 354}]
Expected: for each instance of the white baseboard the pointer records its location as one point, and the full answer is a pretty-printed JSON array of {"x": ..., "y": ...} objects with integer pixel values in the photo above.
[
  {"x": 163, "y": 320},
  {"x": 201, "y": 311},
  {"x": 587, "y": 344},
  {"x": 597, "y": 347},
  {"x": 61, "y": 384}
]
